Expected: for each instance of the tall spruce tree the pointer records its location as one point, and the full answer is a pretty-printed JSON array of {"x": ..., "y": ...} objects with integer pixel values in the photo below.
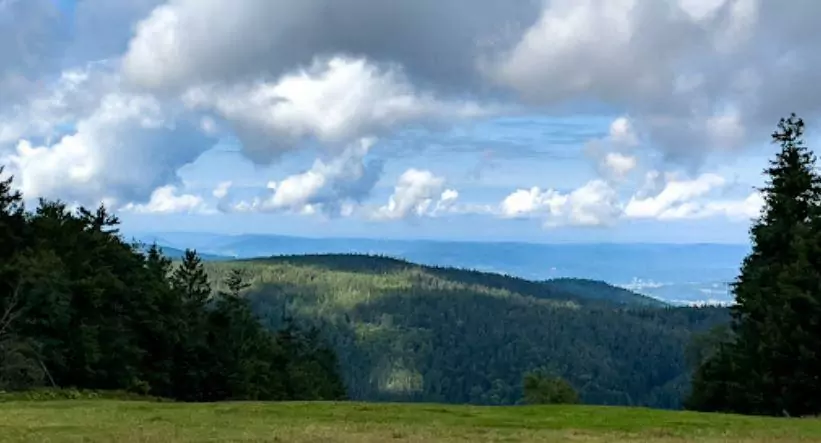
[
  {"x": 772, "y": 364},
  {"x": 190, "y": 278}
]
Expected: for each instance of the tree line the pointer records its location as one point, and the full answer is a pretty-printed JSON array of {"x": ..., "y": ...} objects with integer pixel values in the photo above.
[
  {"x": 769, "y": 361},
  {"x": 82, "y": 308}
]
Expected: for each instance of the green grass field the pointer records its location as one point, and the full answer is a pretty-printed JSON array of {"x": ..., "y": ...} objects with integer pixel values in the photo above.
[{"x": 124, "y": 421}]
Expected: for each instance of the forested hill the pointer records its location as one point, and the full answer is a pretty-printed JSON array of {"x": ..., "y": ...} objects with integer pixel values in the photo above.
[
  {"x": 577, "y": 290},
  {"x": 405, "y": 332}
]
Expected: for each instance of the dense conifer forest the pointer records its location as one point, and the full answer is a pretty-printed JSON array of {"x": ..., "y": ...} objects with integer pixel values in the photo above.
[
  {"x": 81, "y": 308},
  {"x": 405, "y": 332}
]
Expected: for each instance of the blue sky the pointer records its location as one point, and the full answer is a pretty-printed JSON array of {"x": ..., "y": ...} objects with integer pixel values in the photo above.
[{"x": 553, "y": 121}]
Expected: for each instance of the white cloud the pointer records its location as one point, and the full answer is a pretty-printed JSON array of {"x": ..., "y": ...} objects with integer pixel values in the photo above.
[
  {"x": 124, "y": 148},
  {"x": 195, "y": 41},
  {"x": 746, "y": 209},
  {"x": 619, "y": 164},
  {"x": 739, "y": 210},
  {"x": 662, "y": 197},
  {"x": 607, "y": 152},
  {"x": 688, "y": 77},
  {"x": 73, "y": 95},
  {"x": 327, "y": 187},
  {"x": 222, "y": 189},
  {"x": 447, "y": 200},
  {"x": 691, "y": 74},
  {"x": 336, "y": 100},
  {"x": 417, "y": 193},
  {"x": 622, "y": 132},
  {"x": 676, "y": 198},
  {"x": 168, "y": 200},
  {"x": 694, "y": 76},
  {"x": 594, "y": 204}
]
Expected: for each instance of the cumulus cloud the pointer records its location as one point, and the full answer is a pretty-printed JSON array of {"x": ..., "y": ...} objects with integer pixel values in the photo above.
[
  {"x": 335, "y": 100},
  {"x": 74, "y": 94},
  {"x": 438, "y": 42},
  {"x": 662, "y": 197},
  {"x": 691, "y": 74},
  {"x": 612, "y": 153},
  {"x": 746, "y": 209},
  {"x": 676, "y": 198},
  {"x": 594, "y": 204},
  {"x": 168, "y": 200},
  {"x": 671, "y": 198},
  {"x": 330, "y": 187},
  {"x": 222, "y": 189},
  {"x": 418, "y": 193},
  {"x": 122, "y": 150},
  {"x": 619, "y": 164},
  {"x": 689, "y": 77}
]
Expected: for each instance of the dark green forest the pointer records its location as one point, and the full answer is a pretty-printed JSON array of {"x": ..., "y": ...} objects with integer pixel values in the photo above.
[
  {"x": 81, "y": 308},
  {"x": 769, "y": 361},
  {"x": 406, "y": 332}
]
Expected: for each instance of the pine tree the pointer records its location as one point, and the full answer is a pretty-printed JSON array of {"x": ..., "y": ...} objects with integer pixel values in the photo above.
[
  {"x": 772, "y": 364},
  {"x": 81, "y": 308},
  {"x": 191, "y": 279},
  {"x": 235, "y": 282},
  {"x": 193, "y": 358}
]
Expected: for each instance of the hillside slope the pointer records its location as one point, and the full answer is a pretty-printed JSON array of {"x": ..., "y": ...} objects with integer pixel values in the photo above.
[
  {"x": 581, "y": 291},
  {"x": 410, "y": 333}
]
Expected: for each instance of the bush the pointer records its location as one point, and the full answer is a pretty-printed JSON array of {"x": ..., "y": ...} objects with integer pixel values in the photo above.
[{"x": 540, "y": 388}]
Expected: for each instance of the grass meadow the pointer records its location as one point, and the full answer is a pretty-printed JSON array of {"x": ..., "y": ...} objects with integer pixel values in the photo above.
[{"x": 102, "y": 420}]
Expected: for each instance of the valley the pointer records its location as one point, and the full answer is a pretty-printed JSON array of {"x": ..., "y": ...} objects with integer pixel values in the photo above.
[{"x": 408, "y": 332}]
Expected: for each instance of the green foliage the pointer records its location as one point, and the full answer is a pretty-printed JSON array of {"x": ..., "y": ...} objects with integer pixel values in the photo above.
[
  {"x": 541, "y": 388},
  {"x": 705, "y": 345},
  {"x": 235, "y": 283},
  {"x": 19, "y": 365},
  {"x": 770, "y": 364},
  {"x": 80, "y": 308},
  {"x": 404, "y": 332},
  {"x": 190, "y": 278}
]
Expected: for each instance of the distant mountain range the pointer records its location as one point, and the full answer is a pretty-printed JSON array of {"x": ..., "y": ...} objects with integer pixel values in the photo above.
[
  {"x": 676, "y": 273},
  {"x": 175, "y": 253}
]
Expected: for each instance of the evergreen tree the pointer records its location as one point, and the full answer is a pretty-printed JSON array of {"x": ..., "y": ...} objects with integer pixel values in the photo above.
[
  {"x": 190, "y": 278},
  {"x": 235, "y": 282},
  {"x": 771, "y": 365},
  {"x": 81, "y": 308},
  {"x": 243, "y": 349}
]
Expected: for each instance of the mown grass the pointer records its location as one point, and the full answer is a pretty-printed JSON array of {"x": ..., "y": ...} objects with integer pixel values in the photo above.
[{"x": 140, "y": 421}]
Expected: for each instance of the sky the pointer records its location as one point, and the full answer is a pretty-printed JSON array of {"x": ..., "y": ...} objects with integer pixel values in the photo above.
[{"x": 529, "y": 120}]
